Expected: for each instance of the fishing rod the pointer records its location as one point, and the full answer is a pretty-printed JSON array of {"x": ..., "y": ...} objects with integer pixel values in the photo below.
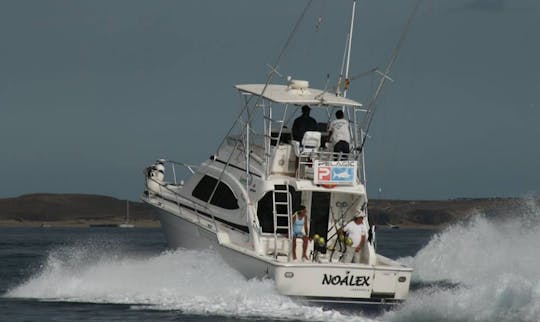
[
  {"x": 371, "y": 106},
  {"x": 246, "y": 107}
]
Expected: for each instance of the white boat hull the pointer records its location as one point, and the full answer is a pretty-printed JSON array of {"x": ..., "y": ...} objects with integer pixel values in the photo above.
[
  {"x": 324, "y": 282},
  {"x": 181, "y": 233}
]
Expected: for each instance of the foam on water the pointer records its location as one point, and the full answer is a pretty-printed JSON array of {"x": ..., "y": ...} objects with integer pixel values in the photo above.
[
  {"x": 483, "y": 270},
  {"x": 490, "y": 269},
  {"x": 193, "y": 282}
]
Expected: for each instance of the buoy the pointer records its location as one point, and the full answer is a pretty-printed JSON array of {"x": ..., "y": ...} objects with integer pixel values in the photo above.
[{"x": 321, "y": 241}]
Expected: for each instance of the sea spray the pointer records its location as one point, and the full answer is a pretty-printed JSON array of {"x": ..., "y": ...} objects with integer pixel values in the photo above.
[
  {"x": 491, "y": 266},
  {"x": 482, "y": 270},
  {"x": 192, "y": 282}
]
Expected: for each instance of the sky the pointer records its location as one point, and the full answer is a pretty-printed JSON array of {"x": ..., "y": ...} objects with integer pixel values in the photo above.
[{"x": 91, "y": 92}]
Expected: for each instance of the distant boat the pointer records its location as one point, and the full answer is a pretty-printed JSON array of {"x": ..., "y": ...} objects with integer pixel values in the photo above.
[
  {"x": 126, "y": 223},
  {"x": 393, "y": 226},
  {"x": 44, "y": 225}
]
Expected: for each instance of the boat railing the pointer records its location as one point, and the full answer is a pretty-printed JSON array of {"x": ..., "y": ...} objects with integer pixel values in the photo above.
[
  {"x": 156, "y": 184},
  {"x": 158, "y": 193},
  {"x": 189, "y": 167},
  {"x": 307, "y": 159}
]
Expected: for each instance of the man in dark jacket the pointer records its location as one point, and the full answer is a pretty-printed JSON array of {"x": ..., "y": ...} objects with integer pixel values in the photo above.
[{"x": 302, "y": 124}]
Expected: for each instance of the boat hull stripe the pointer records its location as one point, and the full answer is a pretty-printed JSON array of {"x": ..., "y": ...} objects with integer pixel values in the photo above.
[{"x": 350, "y": 300}]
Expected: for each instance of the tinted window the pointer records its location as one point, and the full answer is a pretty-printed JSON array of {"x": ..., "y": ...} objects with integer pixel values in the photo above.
[{"x": 223, "y": 197}]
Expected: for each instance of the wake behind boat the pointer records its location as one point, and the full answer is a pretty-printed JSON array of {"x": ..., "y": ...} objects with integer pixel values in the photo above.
[{"x": 242, "y": 201}]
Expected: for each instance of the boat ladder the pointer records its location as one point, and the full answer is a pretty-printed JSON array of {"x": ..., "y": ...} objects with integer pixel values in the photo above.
[{"x": 282, "y": 209}]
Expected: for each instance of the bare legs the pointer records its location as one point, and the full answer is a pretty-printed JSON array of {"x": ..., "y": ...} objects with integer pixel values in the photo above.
[
  {"x": 294, "y": 248},
  {"x": 305, "y": 241}
]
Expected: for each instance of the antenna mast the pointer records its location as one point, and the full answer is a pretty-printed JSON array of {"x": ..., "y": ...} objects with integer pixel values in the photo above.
[
  {"x": 349, "y": 44},
  {"x": 366, "y": 124}
]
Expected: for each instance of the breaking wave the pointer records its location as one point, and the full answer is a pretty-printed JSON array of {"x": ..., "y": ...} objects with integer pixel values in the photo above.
[
  {"x": 192, "y": 282},
  {"x": 482, "y": 270}
]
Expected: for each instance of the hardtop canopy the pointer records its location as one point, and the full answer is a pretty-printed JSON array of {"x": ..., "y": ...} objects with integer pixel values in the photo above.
[{"x": 298, "y": 95}]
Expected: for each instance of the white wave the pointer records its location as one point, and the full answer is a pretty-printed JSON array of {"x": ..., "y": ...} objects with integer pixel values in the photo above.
[
  {"x": 494, "y": 265},
  {"x": 193, "y": 282},
  {"x": 491, "y": 267}
]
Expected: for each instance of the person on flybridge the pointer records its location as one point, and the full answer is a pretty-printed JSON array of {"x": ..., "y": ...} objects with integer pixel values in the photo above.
[
  {"x": 302, "y": 124},
  {"x": 340, "y": 134},
  {"x": 357, "y": 232}
]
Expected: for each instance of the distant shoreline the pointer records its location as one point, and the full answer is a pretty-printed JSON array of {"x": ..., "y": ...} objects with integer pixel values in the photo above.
[
  {"x": 80, "y": 210},
  {"x": 140, "y": 224},
  {"x": 74, "y": 223}
]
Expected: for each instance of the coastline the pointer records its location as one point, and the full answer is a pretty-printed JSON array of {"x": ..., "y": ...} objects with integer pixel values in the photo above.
[
  {"x": 10, "y": 223},
  {"x": 80, "y": 210},
  {"x": 142, "y": 224}
]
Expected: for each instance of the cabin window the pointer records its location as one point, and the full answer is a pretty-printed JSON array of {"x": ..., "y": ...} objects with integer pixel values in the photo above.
[{"x": 223, "y": 197}]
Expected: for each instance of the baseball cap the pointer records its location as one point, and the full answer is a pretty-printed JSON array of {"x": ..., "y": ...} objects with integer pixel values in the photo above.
[{"x": 360, "y": 214}]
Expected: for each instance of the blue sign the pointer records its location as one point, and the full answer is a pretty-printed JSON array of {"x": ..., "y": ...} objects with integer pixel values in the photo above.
[{"x": 342, "y": 174}]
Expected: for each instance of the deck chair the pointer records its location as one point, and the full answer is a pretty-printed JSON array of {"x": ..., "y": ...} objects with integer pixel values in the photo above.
[{"x": 311, "y": 142}]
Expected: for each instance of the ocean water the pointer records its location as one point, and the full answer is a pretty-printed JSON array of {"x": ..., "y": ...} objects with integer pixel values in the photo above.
[{"x": 481, "y": 270}]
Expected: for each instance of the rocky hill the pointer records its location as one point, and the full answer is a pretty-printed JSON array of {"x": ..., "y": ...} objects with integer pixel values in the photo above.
[
  {"x": 71, "y": 207},
  {"x": 440, "y": 212}
]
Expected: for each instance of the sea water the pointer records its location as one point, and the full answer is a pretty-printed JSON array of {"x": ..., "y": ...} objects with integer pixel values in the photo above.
[{"x": 480, "y": 270}]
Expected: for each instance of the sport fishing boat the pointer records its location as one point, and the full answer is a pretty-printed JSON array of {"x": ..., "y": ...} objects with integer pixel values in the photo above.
[{"x": 240, "y": 202}]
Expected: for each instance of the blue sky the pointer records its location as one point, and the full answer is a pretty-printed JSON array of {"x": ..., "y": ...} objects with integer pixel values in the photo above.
[{"x": 93, "y": 91}]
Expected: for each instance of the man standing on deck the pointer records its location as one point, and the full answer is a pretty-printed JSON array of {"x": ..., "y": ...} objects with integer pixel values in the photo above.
[
  {"x": 340, "y": 134},
  {"x": 357, "y": 232},
  {"x": 302, "y": 124}
]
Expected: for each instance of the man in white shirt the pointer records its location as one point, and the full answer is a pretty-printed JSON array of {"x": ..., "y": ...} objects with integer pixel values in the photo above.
[
  {"x": 340, "y": 134},
  {"x": 357, "y": 232}
]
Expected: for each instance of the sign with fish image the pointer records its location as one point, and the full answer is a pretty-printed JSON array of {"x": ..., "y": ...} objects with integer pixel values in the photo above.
[{"x": 334, "y": 172}]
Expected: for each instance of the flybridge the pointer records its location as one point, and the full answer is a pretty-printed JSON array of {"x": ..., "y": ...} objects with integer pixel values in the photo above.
[
  {"x": 298, "y": 95},
  {"x": 273, "y": 142}
]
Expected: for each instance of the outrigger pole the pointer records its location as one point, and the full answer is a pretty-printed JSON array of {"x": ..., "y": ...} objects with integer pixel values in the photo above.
[
  {"x": 349, "y": 45},
  {"x": 371, "y": 106},
  {"x": 246, "y": 108}
]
